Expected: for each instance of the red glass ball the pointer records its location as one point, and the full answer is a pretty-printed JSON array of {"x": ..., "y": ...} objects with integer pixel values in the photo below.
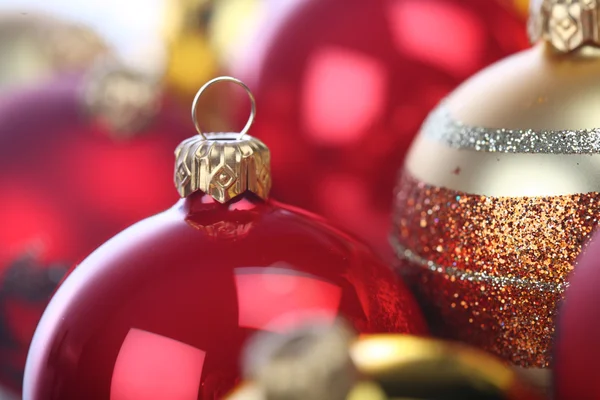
[
  {"x": 66, "y": 187},
  {"x": 161, "y": 311},
  {"x": 343, "y": 86},
  {"x": 577, "y": 335}
]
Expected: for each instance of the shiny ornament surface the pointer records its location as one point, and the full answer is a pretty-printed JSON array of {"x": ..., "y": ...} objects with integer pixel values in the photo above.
[
  {"x": 161, "y": 310},
  {"x": 341, "y": 101},
  {"x": 388, "y": 366},
  {"x": 67, "y": 186},
  {"x": 576, "y": 348},
  {"x": 499, "y": 195}
]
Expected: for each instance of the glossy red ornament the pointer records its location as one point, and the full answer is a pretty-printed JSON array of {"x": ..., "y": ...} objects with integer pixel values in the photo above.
[
  {"x": 66, "y": 186},
  {"x": 162, "y": 310},
  {"x": 344, "y": 85},
  {"x": 577, "y": 336}
]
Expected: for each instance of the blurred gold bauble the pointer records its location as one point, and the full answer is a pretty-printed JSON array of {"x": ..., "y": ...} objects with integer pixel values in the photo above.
[
  {"x": 362, "y": 391},
  {"x": 407, "y": 367},
  {"x": 500, "y": 191},
  {"x": 37, "y": 47},
  {"x": 233, "y": 23},
  {"x": 412, "y": 367},
  {"x": 191, "y": 58}
]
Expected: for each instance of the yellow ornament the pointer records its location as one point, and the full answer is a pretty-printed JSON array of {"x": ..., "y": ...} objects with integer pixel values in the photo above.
[
  {"x": 500, "y": 191},
  {"x": 233, "y": 23},
  {"x": 328, "y": 362},
  {"x": 190, "y": 58}
]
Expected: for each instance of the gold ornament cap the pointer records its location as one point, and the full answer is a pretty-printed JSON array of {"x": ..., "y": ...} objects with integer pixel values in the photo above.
[
  {"x": 223, "y": 165},
  {"x": 124, "y": 99},
  {"x": 310, "y": 362},
  {"x": 565, "y": 24}
]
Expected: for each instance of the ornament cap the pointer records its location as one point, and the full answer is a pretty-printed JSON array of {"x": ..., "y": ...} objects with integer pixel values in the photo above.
[
  {"x": 566, "y": 25},
  {"x": 123, "y": 99},
  {"x": 223, "y": 165}
]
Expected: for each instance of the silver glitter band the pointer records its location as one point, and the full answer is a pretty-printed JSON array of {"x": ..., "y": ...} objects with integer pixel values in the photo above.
[
  {"x": 525, "y": 284},
  {"x": 442, "y": 127}
]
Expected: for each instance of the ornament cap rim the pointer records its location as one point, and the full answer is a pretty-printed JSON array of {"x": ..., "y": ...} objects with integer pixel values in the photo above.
[
  {"x": 238, "y": 82},
  {"x": 223, "y": 166}
]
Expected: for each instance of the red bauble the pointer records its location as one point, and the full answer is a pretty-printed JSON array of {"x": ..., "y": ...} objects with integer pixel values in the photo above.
[
  {"x": 577, "y": 340},
  {"x": 343, "y": 86},
  {"x": 65, "y": 187},
  {"x": 162, "y": 310}
]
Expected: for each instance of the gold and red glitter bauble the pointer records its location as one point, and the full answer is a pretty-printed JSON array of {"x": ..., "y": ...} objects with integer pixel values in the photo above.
[
  {"x": 341, "y": 101},
  {"x": 500, "y": 190}
]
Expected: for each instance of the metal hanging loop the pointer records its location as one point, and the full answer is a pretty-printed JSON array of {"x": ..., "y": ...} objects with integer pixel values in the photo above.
[{"x": 246, "y": 128}]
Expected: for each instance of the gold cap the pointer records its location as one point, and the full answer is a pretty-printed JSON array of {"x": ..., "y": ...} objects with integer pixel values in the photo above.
[
  {"x": 565, "y": 24},
  {"x": 125, "y": 100},
  {"x": 223, "y": 165},
  {"x": 310, "y": 362}
]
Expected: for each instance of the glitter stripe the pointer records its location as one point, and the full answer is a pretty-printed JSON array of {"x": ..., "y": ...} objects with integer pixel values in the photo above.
[
  {"x": 442, "y": 127},
  {"x": 407, "y": 254},
  {"x": 533, "y": 238}
]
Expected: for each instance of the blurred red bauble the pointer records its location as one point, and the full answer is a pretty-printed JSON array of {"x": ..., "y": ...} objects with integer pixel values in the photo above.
[
  {"x": 66, "y": 186},
  {"x": 344, "y": 85},
  {"x": 161, "y": 311},
  {"x": 577, "y": 341}
]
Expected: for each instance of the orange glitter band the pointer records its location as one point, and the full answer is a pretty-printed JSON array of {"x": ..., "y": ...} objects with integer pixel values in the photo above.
[{"x": 491, "y": 270}]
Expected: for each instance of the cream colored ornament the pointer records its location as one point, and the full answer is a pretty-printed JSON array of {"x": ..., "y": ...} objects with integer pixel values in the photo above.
[
  {"x": 500, "y": 191},
  {"x": 35, "y": 48},
  {"x": 233, "y": 28}
]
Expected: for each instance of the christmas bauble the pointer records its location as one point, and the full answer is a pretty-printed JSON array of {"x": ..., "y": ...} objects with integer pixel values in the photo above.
[
  {"x": 324, "y": 362},
  {"x": 36, "y": 48},
  {"x": 191, "y": 57},
  {"x": 499, "y": 192},
  {"x": 360, "y": 81},
  {"x": 67, "y": 185},
  {"x": 161, "y": 310},
  {"x": 576, "y": 348}
]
